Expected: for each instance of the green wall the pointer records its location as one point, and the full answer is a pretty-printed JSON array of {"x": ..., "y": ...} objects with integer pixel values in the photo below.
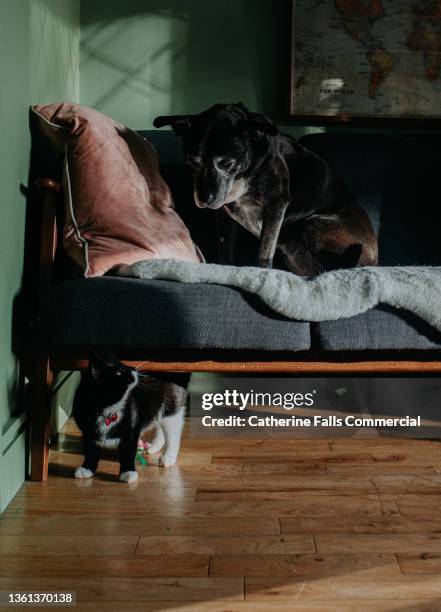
[
  {"x": 142, "y": 58},
  {"x": 39, "y": 59}
]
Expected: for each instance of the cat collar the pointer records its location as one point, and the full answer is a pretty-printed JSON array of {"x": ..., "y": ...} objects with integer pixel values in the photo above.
[{"x": 111, "y": 419}]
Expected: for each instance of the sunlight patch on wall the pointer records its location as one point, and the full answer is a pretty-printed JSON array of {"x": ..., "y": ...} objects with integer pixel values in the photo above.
[
  {"x": 143, "y": 80},
  {"x": 55, "y": 53}
]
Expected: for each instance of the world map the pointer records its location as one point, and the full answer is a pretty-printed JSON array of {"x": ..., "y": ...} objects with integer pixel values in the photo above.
[{"x": 367, "y": 58}]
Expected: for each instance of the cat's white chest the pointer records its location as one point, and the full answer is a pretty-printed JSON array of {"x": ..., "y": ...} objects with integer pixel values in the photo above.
[{"x": 105, "y": 442}]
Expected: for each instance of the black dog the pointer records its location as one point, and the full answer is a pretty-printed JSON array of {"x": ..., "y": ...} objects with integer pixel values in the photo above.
[{"x": 275, "y": 188}]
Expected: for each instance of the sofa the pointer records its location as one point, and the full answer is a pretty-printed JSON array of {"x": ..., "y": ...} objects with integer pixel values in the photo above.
[{"x": 178, "y": 326}]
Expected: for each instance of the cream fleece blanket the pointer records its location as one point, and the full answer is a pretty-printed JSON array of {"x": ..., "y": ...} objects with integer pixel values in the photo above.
[{"x": 328, "y": 296}]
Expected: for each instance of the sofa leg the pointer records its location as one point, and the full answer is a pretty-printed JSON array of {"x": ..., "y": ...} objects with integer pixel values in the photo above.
[{"x": 40, "y": 413}]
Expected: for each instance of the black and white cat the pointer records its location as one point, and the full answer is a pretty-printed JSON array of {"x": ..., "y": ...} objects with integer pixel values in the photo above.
[{"x": 114, "y": 404}]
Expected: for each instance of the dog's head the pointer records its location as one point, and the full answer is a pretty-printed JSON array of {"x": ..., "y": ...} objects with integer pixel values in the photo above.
[{"x": 222, "y": 144}]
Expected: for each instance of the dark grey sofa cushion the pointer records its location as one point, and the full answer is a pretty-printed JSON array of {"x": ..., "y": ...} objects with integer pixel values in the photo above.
[
  {"x": 126, "y": 312},
  {"x": 383, "y": 327}
]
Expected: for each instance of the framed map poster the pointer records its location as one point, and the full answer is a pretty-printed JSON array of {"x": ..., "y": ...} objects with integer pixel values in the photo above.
[{"x": 366, "y": 59}]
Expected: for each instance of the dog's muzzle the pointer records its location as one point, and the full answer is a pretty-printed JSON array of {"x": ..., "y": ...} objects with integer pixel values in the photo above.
[
  {"x": 209, "y": 202},
  {"x": 210, "y": 188}
]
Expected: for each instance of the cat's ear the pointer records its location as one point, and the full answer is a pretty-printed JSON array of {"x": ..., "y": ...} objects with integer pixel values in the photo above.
[
  {"x": 95, "y": 368},
  {"x": 100, "y": 362}
]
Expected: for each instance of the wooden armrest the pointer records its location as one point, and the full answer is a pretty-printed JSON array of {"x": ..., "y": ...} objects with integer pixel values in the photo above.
[
  {"x": 49, "y": 191},
  {"x": 47, "y": 184}
]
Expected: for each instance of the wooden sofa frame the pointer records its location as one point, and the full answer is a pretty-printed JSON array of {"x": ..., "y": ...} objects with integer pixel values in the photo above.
[{"x": 42, "y": 361}]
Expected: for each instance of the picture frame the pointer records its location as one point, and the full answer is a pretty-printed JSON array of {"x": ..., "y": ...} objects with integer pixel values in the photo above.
[{"x": 373, "y": 68}]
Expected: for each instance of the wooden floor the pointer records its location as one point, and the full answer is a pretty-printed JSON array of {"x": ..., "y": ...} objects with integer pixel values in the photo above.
[{"x": 351, "y": 524}]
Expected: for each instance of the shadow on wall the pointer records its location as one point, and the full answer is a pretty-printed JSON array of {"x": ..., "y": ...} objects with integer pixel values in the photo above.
[{"x": 140, "y": 59}]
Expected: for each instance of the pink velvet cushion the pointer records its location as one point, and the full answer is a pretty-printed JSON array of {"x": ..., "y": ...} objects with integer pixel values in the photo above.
[{"x": 118, "y": 208}]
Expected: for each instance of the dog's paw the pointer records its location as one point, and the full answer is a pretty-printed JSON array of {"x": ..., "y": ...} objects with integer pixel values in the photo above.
[
  {"x": 167, "y": 459},
  {"x": 129, "y": 476},
  {"x": 82, "y": 472}
]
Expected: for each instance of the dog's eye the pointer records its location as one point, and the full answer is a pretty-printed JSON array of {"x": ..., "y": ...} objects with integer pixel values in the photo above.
[
  {"x": 226, "y": 164},
  {"x": 118, "y": 373}
]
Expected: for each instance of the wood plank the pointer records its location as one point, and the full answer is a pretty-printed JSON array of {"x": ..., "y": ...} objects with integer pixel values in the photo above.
[
  {"x": 102, "y": 485},
  {"x": 255, "y": 445},
  {"x": 70, "y": 455},
  {"x": 397, "y": 588},
  {"x": 385, "y": 444},
  {"x": 384, "y": 441},
  {"x": 384, "y": 543},
  {"x": 75, "y": 544},
  {"x": 307, "y": 484},
  {"x": 220, "y": 469},
  {"x": 249, "y": 456},
  {"x": 420, "y": 563},
  {"x": 336, "y": 564},
  {"x": 273, "y": 448},
  {"x": 103, "y": 506},
  {"x": 93, "y": 488},
  {"x": 109, "y": 567},
  {"x": 322, "y": 506},
  {"x": 87, "y": 524},
  {"x": 359, "y": 524},
  {"x": 379, "y": 469},
  {"x": 285, "y": 494},
  {"x": 195, "y": 442},
  {"x": 108, "y": 488},
  {"x": 226, "y": 545},
  {"x": 195, "y": 457},
  {"x": 416, "y": 505},
  {"x": 280, "y": 460},
  {"x": 420, "y": 509},
  {"x": 402, "y": 456},
  {"x": 398, "y": 484},
  {"x": 135, "y": 589}
]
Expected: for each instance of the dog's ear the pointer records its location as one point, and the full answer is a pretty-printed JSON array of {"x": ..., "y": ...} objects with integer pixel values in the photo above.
[
  {"x": 259, "y": 126},
  {"x": 179, "y": 123},
  {"x": 171, "y": 120}
]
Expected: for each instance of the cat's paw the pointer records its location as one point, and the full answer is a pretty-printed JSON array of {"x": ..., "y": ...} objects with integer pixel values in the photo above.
[
  {"x": 129, "y": 476},
  {"x": 157, "y": 443},
  {"x": 167, "y": 459},
  {"x": 82, "y": 472},
  {"x": 155, "y": 447}
]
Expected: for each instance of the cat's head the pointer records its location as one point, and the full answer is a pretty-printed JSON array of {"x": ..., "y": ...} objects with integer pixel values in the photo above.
[{"x": 111, "y": 378}]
